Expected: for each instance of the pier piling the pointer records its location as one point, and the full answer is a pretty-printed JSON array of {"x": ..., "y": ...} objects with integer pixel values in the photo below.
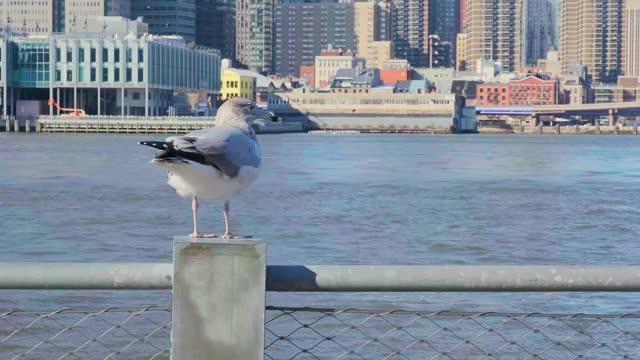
[{"x": 218, "y": 299}]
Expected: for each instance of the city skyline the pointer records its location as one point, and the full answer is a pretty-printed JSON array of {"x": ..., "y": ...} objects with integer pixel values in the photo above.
[{"x": 279, "y": 37}]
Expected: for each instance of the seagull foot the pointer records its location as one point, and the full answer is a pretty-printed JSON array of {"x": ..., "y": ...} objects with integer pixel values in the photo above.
[
  {"x": 203, "y": 236},
  {"x": 236, "y": 236}
]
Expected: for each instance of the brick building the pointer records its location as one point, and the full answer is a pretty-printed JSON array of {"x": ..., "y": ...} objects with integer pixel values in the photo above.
[
  {"x": 533, "y": 91},
  {"x": 528, "y": 91},
  {"x": 308, "y": 73},
  {"x": 492, "y": 94}
]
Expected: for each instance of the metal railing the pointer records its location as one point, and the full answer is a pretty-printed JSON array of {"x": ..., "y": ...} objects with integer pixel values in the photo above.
[
  {"x": 335, "y": 278},
  {"x": 313, "y": 333}
]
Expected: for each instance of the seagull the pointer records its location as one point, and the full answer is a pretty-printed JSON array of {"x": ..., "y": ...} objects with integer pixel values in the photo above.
[{"x": 215, "y": 163}]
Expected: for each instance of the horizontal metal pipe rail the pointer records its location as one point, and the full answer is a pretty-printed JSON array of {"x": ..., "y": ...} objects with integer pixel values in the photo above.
[{"x": 335, "y": 278}]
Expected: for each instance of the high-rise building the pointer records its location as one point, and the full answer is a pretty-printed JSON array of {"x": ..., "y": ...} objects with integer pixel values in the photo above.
[
  {"x": 462, "y": 20},
  {"x": 303, "y": 30},
  {"x": 79, "y": 13},
  {"x": 254, "y": 23},
  {"x": 410, "y": 30},
  {"x": 540, "y": 29},
  {"x": 167, "y": 17},
  {"x": 592, "y": 36},
  {"x": 631, "y": 38},
  {"x": 444, "y": 19},
  {"x": 32, "y": 17},
  {"x": 372, "y": 23},
  {"x": 494, "y": 32},
  {"x": 216, "y": 25},
  {"x": 461, "y": 52},
  {"x": 58, "y": 16}
]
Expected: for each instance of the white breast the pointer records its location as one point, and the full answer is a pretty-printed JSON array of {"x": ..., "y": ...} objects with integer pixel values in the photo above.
[{"x": 206, "y": 182}]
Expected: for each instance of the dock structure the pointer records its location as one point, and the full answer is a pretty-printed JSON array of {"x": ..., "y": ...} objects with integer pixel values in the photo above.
[{"x": 138, "y": 126}]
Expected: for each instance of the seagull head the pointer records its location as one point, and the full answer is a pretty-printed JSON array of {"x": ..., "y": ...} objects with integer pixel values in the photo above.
[{"x": 242, "y": 113}]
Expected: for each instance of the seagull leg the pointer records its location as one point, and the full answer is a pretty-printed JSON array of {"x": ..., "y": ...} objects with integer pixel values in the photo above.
[
  {"x": 196, "y": 234},
  {"x": 227, "y": 233},
  {"x": 194, "y": 208}
]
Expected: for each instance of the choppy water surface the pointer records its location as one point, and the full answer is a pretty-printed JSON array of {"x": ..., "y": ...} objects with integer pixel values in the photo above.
[{"x": 469, "y": 199}]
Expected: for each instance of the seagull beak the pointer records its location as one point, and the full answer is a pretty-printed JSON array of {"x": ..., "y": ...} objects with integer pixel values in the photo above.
[{"x": 259, "y": 123}]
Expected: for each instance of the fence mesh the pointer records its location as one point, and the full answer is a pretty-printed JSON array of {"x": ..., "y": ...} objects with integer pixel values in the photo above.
[{"x": 312, "y": 333}]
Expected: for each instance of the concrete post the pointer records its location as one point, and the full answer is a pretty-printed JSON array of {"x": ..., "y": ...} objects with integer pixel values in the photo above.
[
  {"x": 7, "y": 125},
  {"x": 534, "y": 120},
  {"x": 218, "y": 299},
  {"x": 16, "y": 126},
  {"x": 27, "y": 126},
  {"x": 612, "y": 117}
]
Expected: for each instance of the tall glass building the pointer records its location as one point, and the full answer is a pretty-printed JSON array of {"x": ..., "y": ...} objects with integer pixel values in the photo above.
[
  {"x": 216, "y": 25},
  {"x": 167, "y": 17}
]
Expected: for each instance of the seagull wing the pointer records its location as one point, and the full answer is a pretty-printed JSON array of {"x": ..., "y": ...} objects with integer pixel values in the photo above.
[{"x": 225, "y": 148}]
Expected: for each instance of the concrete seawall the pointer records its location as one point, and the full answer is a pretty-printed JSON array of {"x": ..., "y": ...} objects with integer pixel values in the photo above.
[{"x": 565, "y": 130}]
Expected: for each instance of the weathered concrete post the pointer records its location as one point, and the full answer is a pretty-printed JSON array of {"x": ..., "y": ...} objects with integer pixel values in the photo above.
[
  {"x": 218, "y": 299},
  {"x": 16, "y": 126},
  {"x": 7, "y": 125},
  {"x": 27, "y": 126},
  {"x": 612, "y": 117}
]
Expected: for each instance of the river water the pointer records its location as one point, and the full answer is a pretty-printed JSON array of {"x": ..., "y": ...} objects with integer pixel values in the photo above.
[{"x": 361, "y": 199}]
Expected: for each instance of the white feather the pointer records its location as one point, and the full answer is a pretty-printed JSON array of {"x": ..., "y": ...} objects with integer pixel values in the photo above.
[{"x": 193, "y": 179}]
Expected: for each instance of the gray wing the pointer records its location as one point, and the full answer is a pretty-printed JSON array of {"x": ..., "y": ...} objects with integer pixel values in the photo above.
[{"x": 227, "y": 149}]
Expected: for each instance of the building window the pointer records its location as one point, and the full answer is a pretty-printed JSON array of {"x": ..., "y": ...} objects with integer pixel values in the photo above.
[
  {"x": 128, "y": 55},
  {"x": 140, "y": 55},
  {"x": 58, "y": 75},
  {"x": 105, "y": 74},
  {"x": 105, "y": 55},
  {"x": 58, "y": 54},
  {"x": 92, "y": 75},
  {"x": 69, "y": 55},
  {"x": 135, "y": 96},
  {"x": 116, "y": 75},
  {"x": 140, "y": 75},
  {"x": 81, "y": 54},
  {"x": 69, "y": 75},
  {"x": 92, "y": 55},
  {"x": 128, "y": 75},
  {"x": 116, "y": 55}
]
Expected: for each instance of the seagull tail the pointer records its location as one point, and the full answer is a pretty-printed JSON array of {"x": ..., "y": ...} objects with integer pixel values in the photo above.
[{"x": 162, "y": 145}]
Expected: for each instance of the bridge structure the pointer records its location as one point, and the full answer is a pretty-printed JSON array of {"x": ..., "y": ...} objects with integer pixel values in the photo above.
[{"x": 610, "y": 110}]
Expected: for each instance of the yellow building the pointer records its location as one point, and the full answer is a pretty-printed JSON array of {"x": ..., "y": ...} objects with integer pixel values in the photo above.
[{"x": 237, "y": 83}]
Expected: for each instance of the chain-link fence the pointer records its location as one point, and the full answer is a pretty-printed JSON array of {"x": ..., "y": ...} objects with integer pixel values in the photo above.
[
  {"x": 76, "y": 334},
  {"x": 360, "y": 334},
  {"x": 305, "y": 333}
]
